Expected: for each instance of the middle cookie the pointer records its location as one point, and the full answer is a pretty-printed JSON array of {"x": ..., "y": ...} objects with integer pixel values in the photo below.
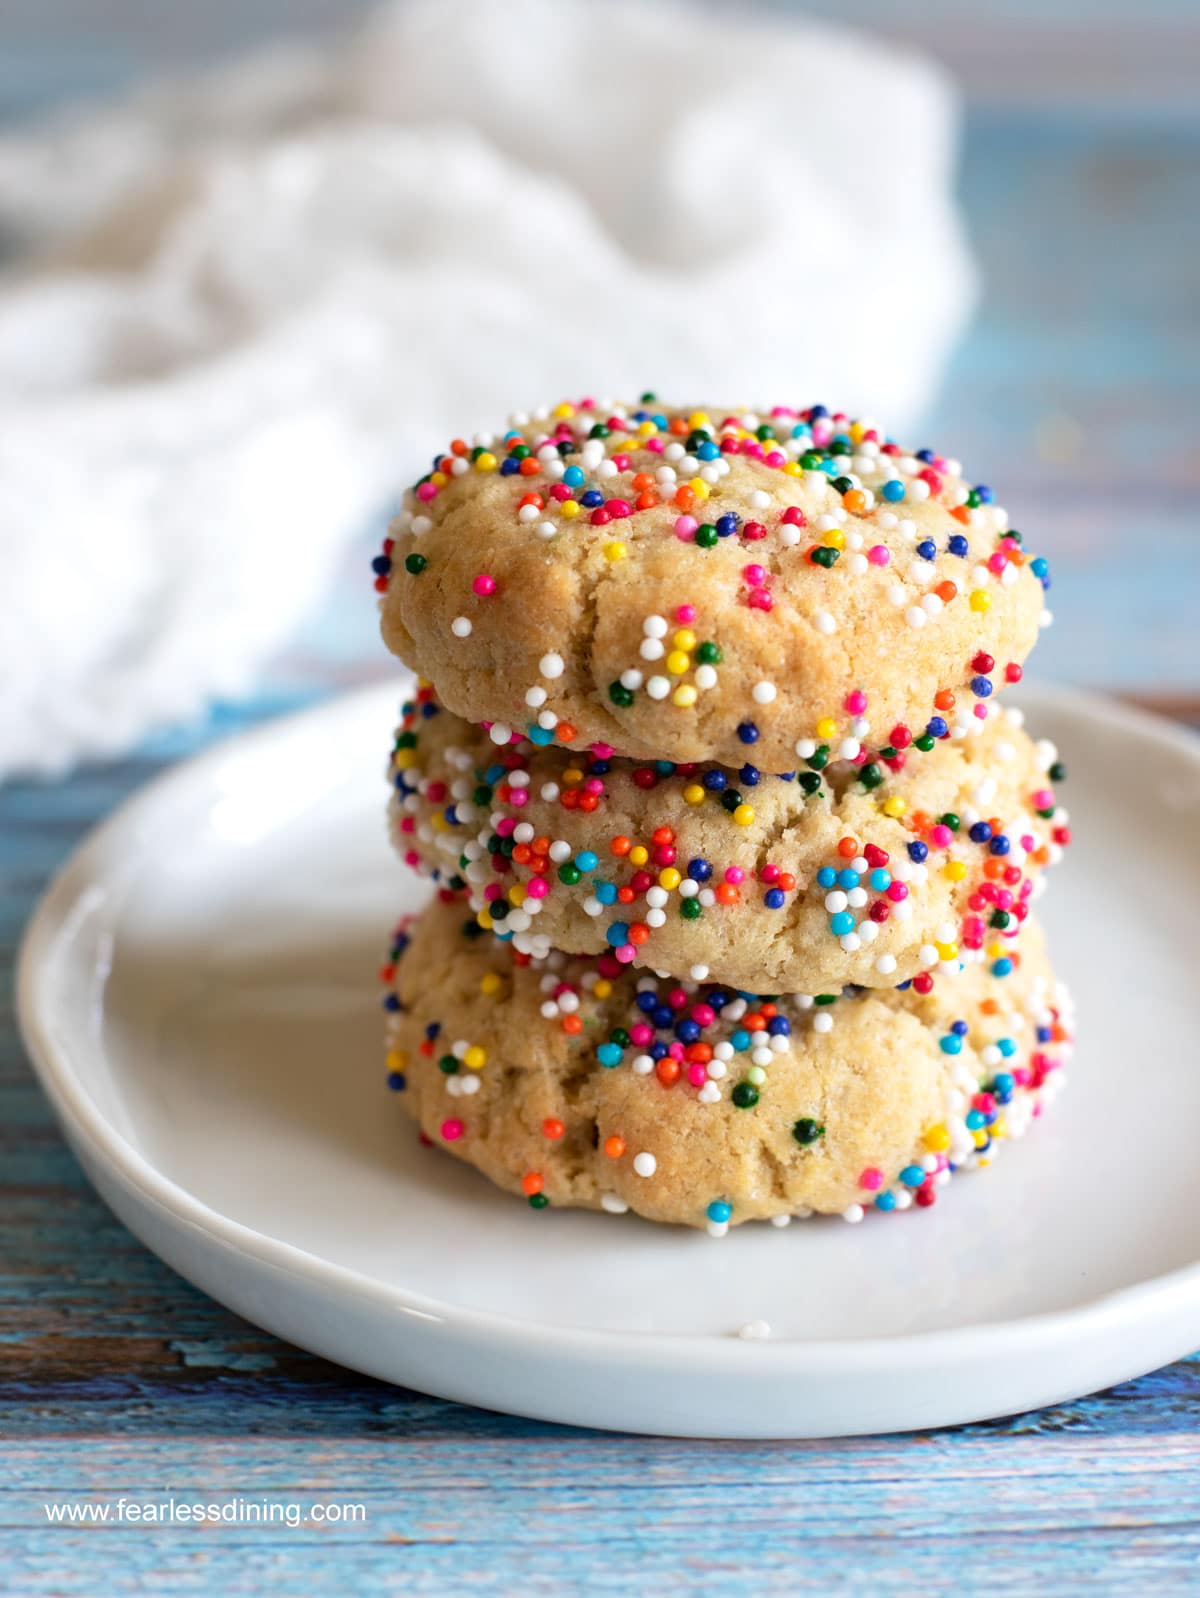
[{"x": 801, "y": 882}]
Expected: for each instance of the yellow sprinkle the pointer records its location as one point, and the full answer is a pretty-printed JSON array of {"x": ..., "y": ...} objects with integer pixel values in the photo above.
[
  {"x": 694, "y": 793},
  {"x": 669, "y": 878},
  {"x": 826, "y": 728},
  {"x": 947, "y": 951},
  {"x": 999, "y": 1128},
  {"x": 793, "y": 469},
  {"x": 834, "y": 538},
  {"x": 678, "y": 662},
  {"x": 485, "y": 462},
  {"x": 439, "y": 478},
  {"x": 646, "y": 429},
  {"x": 516, "y": 894},
  {"x": 438, "y": 822},
  {"x": 744, "y": 815},
  {"x": 937, "y": 1138},
  {"x": 602, "y": 988},
  {"x": 685, "y": 638},
  {"x": 684, "y": 696},
  {"x": 491, "y": 983},
  {"x": 614, "y": 550},
  {"x": 396, "y": 1060},
  {"x": 980, "y": 600},
  {"x": 638, "y": 855},
  {"x": 995, "y": 950},
  {"x": 405, "y": 759},
  {"x": 564, "y": 410},
  {"x": 572, "y": 777},
  {"x": 700, "y": 488},
  {"x": 698, "y": 419},
  {"x": 856, "y": 432},
  {"x": 980, "y": 1137},
  {"x": 954, "y": 870},
  {"x": 484, "y": 920},
  {"x": 895, "y": 806},
  {"x": 569, "y": 508},
  {"x": 475, "y": 1058}
]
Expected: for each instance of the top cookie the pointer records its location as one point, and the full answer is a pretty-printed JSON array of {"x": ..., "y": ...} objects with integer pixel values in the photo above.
[{"x": 693, "y": 585}]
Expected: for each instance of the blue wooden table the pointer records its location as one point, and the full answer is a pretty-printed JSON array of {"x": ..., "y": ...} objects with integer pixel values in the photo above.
[{"x": 1077, "y": 390}]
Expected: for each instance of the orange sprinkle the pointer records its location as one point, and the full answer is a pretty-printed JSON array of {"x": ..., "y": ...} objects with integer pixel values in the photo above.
[
  {"x": 564, "y": 732},
  {"x": 848, "y": 848},
  {"x": 614, "y": 1147},
  {"x": 553, "y": 1129},
  {"x": 962, "y": 513},
  {"x": 530, "y": 466},
  {"x": 855, "y": 501},
  {"x": 946, "y": 591},
  {"x": 620, "y": 845},
  {"x": 727, "y": 893},
  {"x": 944, "y": 699},
  {"x": 572, "y": 1025},
  {"x": 667, "y": 1071},
  {"x": 639, "y": 932}
]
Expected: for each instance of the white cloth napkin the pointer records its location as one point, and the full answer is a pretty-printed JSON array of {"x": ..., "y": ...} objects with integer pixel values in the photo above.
[{"x": 253, "y": 302}]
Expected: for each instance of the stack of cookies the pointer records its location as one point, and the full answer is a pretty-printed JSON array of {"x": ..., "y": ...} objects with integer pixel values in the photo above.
[{"x": 736, "y": 841}]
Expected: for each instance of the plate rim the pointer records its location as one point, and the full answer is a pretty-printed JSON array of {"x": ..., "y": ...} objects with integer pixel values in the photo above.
[{"x": 83, "y": 1122}]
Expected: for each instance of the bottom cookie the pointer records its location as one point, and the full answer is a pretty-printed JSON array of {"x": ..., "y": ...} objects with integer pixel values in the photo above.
[{"x": 579, "y": 1082}]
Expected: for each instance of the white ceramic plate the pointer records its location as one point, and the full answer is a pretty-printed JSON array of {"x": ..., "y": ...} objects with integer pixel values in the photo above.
[{"x": 198, "y": 992}]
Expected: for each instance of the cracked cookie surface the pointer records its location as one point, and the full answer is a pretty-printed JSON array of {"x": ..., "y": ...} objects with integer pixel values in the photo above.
[{"x": 708, "y": 585}]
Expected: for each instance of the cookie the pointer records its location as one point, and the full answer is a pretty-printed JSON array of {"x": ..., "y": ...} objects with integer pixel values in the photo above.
[
  {"x": 702, "y": 586},
  {"x": 582, "y": 1082},
  {"x": 815, "y": 879}
]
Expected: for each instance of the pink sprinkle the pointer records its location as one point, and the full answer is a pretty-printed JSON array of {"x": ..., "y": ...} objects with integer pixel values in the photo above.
[
  {"x": 603, "y": 751},
  {"x": 734, "y": 874},
  {"x": 685, "y": 613},
  {"x": 997, "y": 561},
  {"x": 760, "y": 599},
  {"x": 677, "y": 998},
  {"x": 537, "y": 888},
  {"x": 754, "y": 574},
  {"x": 871, "y": 1179},
  {"x": 685, "y": 528},
  {"x": 618, "y": 507},
  {"x": 856, "y": 702},
  {"x": 897, "y": 891},
  {"x": 676, "y": 1050},
  {"x": 452, "y": 1131},
  {"x": 426, "y": 492},
  {"x": 492, "y": 892},
  {"x": 506, "y": 826},
  {"x": 940, "y": 836},
  {"x": 412, "y": 858},
  {"x": 625, "y": 953},
  {"x": 794, "y": 517},
  {"x": 654, "y": 444},
  {"x": 484, "y": 584},
  {"x": 769, "y": 873},
  {"x": 408, "y": 824},
  {"x": 697, "y": 1074},
  {"x": 703, "y": 1014},
  {"x": 879, "y": 554},
  {"x": 641, "y": 1034}
]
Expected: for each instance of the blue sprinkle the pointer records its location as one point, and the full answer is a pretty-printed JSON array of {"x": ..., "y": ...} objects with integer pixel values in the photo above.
[
  {"x": 646, "y": 1002},
  {"x": 727, "y": 524},
  {"x": 714, "y": 781},
  {"x": 740, "y": 1039},
  {"x": 586, "y": 860},
  {"x": 841, "y": 923},
  {"x": 750, "y": 776},
  {"x": 950, "y": 1044},
  {"x": 847, "y": 878},
  {"x": 893, "y": 490},
  {"x": 927, "y": 549},
  {"x": 912, "y": 1176},
  {"x": 592, "y": 498},
  {"x": 917, "y": 852},
  {"x": 976, "y": 1120},
  {"x": 719, "y": 1211},
  {"x": 618, "y": 934},
  {"x": 573, "y": 477},
  {"x": 391, "y": 1002},
  {"x": 1003, "y": 1082},
  {"x": 774, "y": 898},
  {"x": 936, "y": 727},
  {"x": 1002, "y": 967},
  {"x": 886, "y": 1201},
  {"x": 606, "y": 892},
  {"x": 826, "y": 877},
  {"x": 779, "y": 1026},
  {"x": 397, "y": 1081},
  {"x": 1044, "y": 1035},
  {"x": 688, "y": 1031},
  {"x": 541, "y": 736},
  {"x": 981, "y": 687},
  {"x": 708, "y": 451},
  {"x": 1008, "y": 1048},
  {"x": 986, "y": 495},
  {"x": 509, "y": 467},
  {"x": 880, "y": 879},
  {"x": 747, "y": 732},
  {"x": 609, "y": 1054},
  {"x": 699, "y": 869},
  {"x": 957, "y": 545},
  {"x": 960, "y": 1027},
  {"x": 381, "y": 565},
  {"x": 999, "y": 844},
  {"x": 980, "y": 832}
]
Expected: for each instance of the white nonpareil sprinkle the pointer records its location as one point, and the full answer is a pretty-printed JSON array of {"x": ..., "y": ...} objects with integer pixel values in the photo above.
[
  {"x": 461, "y": 627},
  {"x": 763, "y": 693},
  {"x": 645, "y": 1164},
  {"x": 551, "y": 665},
  {"x": 755, "y": 1332}
]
